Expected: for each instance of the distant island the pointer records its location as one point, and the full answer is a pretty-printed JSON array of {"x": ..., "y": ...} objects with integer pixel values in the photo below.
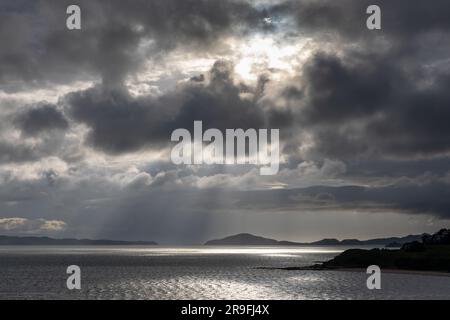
[
  {"x": 247, "y": 239},
  {"x": 10, "y": 240},
  {"x": 432, "y": 253}
]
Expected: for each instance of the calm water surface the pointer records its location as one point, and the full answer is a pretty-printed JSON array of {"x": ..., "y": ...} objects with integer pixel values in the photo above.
[{"x": 39, "y": 272}]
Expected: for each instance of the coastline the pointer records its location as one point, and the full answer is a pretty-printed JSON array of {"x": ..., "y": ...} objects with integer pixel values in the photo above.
[
  {"x": 389, "y": 270},
  {"x": 399, "y": 271}
]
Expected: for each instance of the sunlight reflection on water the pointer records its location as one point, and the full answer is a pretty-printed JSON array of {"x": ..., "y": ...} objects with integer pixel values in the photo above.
[{"x": 197, "y": 273}]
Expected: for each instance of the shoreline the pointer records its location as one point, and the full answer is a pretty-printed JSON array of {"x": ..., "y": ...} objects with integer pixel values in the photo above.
[
  {"x": 401, "y": 271},
  {"x": 397, "y": 271}
]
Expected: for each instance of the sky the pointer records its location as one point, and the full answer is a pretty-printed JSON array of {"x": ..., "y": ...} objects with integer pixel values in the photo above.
[{"x": 86, "y": 118}]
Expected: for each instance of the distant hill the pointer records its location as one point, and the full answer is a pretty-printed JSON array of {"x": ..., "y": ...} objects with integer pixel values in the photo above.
[
  {"x": 9, "y": 240},
  {"x": 244, "y": 239},
  {"x": 247, "y": 239}
]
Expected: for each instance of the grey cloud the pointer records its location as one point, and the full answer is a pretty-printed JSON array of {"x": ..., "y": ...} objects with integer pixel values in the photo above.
[
  {"x": 23, "y": 225},
  {"x": 364, "y": 105},
  {"x": 16, "y": 153},
  {"x": 436, "y": 166},
  {"x": 120, "y": 123},
  {"x": 158, "y": 208},
  {"x": 431, "y": 198},
  {"x": 347, "y": 18},
  {"x": 185, "y": 216},
  {"x": 418, "y": 124},
  {"x": 45, "y": 117},
  {"x": 115, "y": 37},
  {"x": 344, "y": 90},
  {"x": 41, "y": 129}
]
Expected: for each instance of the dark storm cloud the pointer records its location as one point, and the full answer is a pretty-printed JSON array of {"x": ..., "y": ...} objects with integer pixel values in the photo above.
[
  {"x": 120, "y": 123},
  {"x": 340, "y": 92},
  {"x": 418, "y": 123},
  {"x": 31, "y": 133},
  {"x": 364, "y": 104},
  {"x": 113, "y": 38},
  {"x": 40, "y": 119},
  {"x": 347, "y": 18},
  {"x": 382, "y": 94},
  {"x": 431, "y": 198},
  {"x": 370, "y": 99}
]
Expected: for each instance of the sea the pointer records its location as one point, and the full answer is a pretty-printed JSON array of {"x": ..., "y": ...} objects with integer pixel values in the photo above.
[{"x": 204, "y": 272}]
